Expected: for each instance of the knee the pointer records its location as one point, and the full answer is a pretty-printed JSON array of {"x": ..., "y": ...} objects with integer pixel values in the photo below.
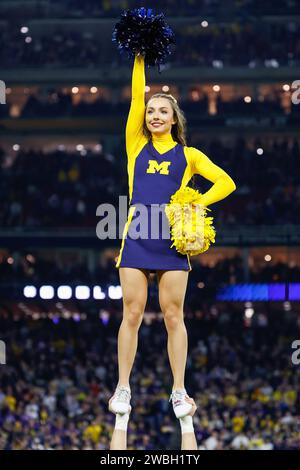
[
  {"x": 133, "y": 314},
  {"x": 173, "y": 317}
]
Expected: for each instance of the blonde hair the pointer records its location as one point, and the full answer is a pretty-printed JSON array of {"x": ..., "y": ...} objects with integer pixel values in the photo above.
[{"x": 178, "y": 130}]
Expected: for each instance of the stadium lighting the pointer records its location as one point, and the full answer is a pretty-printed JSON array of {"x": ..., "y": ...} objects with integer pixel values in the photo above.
[
  {"x": 247, "y": 99},
  {"x": 75, "y": 90},
  {"x": 286, "y": 87},
  {"x": 29, "y": 292},
  {"x": 204, "y": 24},
  {"x": 93, "y": 89},
  {"x": 16, "y": 147},
  {"x": 271, "y": 63},
  {"x": 268, "y": 258},
  {"x": 98, "y": 148},
  {"x": 259, "y": 151},
  {"x": 30, "y": 258},
  {"x": 249, "y": 312},
  {"x": 217, "y": 64},
  {"x": 82, "y": 292},
  {"x": 201, "y": 285},
  {"x": 64, "y": 292},
  {"x": 104, "y": 316},
  {"x": 165, "y": 88},
  {"x": 97, "y": 293},
  {"x": 24, "y": 30},
  {"x": 114, "y": 292},
  {"x": 28, "y": 39},
  {"x": 46, "y": 292},
  {"x": 66, "y": 314},
  {"x": 79, "y": 147},
  {"x": 216, "y": 88}
]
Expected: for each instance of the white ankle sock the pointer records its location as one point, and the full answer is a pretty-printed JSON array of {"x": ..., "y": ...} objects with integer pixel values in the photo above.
[
  {"x": 186, "y": 424},
  {"x": 122, "y": 421}
]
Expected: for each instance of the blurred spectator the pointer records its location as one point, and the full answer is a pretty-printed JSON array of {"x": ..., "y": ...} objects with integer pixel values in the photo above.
[
  {"x": 54, "y": 396},
  {"x": 61, "y": 188},
  {"x": 251, "y": 44}
]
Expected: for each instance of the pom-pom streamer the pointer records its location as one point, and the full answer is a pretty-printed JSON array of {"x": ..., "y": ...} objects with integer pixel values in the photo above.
[
  {"x": 140, "y": 31},
  {"x": 192, "y": 231}
]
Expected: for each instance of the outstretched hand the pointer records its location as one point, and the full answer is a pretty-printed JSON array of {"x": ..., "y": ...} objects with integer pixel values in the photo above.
[{"x": 191, "y": 401}]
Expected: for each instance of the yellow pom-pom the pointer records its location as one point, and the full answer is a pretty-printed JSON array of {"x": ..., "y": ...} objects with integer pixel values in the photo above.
[{"x": 192, "y": 231}]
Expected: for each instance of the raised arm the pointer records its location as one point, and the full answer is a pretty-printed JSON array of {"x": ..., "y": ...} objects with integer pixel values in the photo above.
[
  {"x": 135, "y": 121},
  {"x": 223, "y": 183}
]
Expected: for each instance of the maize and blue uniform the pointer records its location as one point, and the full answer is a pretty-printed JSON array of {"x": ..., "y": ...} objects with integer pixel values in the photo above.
[{"x": 157, "y": 168}]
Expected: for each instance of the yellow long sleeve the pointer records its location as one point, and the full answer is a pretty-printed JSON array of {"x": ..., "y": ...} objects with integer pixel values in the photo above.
[
  {"x": 202, "y": 165},
  {"x": 197, "y": 161},
  {"x": 134, "y": 126},
  {"x": 135, "y": 138}
]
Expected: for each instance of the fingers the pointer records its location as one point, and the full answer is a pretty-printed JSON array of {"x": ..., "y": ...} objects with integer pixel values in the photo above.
[{"x": 192, "y": 402}]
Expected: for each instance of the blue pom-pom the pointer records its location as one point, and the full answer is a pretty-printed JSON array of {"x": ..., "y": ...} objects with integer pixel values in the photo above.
[{"x": 140, "y": 31}]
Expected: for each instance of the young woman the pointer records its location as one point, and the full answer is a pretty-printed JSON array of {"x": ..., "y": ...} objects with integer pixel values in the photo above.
[{"x": 159, "y": 163}]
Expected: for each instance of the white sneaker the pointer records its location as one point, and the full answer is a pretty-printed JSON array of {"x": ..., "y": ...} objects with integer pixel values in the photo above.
[
  {"x": 180, "y": 406},
  {"x": 120, "y": 401}
]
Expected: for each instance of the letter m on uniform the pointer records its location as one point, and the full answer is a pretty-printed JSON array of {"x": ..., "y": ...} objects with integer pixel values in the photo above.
[{"x": 155, "y": 167}]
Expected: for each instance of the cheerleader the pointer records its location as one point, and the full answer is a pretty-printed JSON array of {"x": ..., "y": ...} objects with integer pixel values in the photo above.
[{"x": 159, "y": 163}]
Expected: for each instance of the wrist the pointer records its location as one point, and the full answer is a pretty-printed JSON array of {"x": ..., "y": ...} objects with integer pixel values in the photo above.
[{"x": 186, "y": 424}]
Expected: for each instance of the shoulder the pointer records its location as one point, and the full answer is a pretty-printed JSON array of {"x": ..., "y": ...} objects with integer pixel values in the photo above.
[
  {"x": 193, "y": 154},
  {"x": 135, "y": 146}
]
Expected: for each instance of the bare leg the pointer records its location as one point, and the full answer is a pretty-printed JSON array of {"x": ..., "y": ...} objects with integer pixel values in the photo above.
[
  {"x": 134, "y": 283},
  {"x": 172, "y": 288}
]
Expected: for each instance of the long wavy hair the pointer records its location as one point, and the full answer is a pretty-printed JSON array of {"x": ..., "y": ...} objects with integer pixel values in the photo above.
[{"x": 178, "y": 130}]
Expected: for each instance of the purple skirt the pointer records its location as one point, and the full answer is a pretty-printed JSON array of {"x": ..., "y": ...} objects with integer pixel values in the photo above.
[{"x": 151, "y": 250}]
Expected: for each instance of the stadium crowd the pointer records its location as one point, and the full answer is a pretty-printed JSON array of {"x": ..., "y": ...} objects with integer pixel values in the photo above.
[
  {"x": 107, "y": 8},
  {"x": 249, "y": 44},
  {"x": 62, "y": 188},
  {"x": 56, "y": 103},
  {"x": 59, "y": 376},
  {"x": 54, "y": 268}
]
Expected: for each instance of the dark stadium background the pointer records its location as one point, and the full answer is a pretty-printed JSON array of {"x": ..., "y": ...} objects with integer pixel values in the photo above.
[{"x": 62, "y": 154}]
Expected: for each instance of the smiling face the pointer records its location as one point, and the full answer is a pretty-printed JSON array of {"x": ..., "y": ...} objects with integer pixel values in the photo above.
[{"x": 159, "y": 116}]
